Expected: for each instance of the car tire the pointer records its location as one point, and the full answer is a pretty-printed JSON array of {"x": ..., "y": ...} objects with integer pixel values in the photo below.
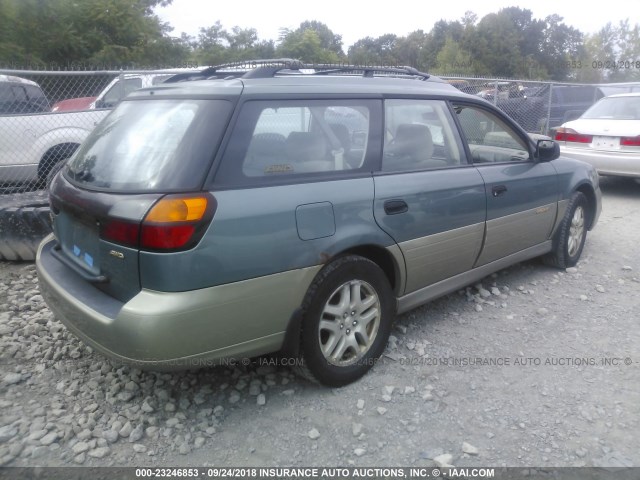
[
  {"x": 571, "y": 235},
  {"x": 21, "y": 231},
  {"x": 347, "y": 317}
]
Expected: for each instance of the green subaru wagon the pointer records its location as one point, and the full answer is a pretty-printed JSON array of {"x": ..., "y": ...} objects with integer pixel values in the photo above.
[{"x": 296, "y": 209}]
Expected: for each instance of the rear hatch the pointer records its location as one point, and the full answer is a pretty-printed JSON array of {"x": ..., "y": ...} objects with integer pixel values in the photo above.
[{"x": 136, "y": 184}]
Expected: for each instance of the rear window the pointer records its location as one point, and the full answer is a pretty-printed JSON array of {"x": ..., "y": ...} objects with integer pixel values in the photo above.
[
  {"x": 618, "y": 108},
  {"x": 151, "y": 145}
]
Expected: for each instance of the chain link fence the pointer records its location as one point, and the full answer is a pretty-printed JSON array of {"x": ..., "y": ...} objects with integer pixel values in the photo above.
[
  {"x": 45, "y": 115},
  {"x": 539, "y": 107}
]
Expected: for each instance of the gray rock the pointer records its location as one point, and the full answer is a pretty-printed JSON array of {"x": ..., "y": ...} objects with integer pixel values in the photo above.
[
  {"x": 80, "y": 447},
  {"x": 360, "y": 404},
  {"x": 254, "y": 390},
  {"x": 444, "y": 460},
  {"x": 359, "y": 452},
  {"x": 356, "y": 429},
  {"x": 49, "y": 438},
  {"x": 80, "y": 458},
  {"x": 313, "y": 434},
  {"x": 571, "y": 270},
  {"x": 125, "y": 396},
  {"x": 12, "y": 378},
  {"x": 600, "y": 288},
  {"x": 147, "y": 407},
  {"x": 184, "y": 449},
  {"x": 381, "y": 410},
  {"x": 261, "y": 399},
  {"x": 37, "y": 434},
  {"x": 136, "y": 434},
  {"x": 84, "y": 434},
  {"x": 199, "y": 442},
  {"x": 126, "y": 430},
  {"x": 110, "y": 436},
  {"x": 139, "y": 448},
  {"x": 39, "y": 451},
  {"x": 469, "y": 449},
  {"x": 99, "y": 452},
  {"x": 7, "y": 432}
]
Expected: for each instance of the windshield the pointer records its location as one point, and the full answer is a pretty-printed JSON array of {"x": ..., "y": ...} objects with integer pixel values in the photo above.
[
  {"x": 151, "y": 145},
  {"x": 619, "y": 108}
]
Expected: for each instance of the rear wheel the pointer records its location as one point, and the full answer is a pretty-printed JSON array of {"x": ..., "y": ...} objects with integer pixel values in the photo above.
[
  {"x": 571, "y": 234},
  {"x": 347, "y": 321}
]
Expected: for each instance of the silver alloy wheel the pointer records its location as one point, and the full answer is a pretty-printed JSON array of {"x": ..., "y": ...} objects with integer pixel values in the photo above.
[
  {"x": 349, "y": 323},
  {"x": 576, "y": 231}
]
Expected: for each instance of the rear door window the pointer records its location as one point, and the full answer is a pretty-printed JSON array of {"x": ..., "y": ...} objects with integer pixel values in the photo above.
[
  {"x": 276, "y": 139},
  {"x": 419, "y": 135}
]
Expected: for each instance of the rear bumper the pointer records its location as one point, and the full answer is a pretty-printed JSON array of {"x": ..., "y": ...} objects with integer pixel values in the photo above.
[
  {"x": 625, "y": 164},
  {"x": 175, "y": 330}
]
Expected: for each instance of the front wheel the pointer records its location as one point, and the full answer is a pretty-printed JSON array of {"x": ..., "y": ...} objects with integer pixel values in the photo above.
[
  {"x": 349, "y": 309},
  {"x": 571, "y": 234}
]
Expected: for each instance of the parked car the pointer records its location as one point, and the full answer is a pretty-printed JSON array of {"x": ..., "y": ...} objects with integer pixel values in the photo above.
[
  {"x": 74, "y": 104},
  {"x": 607, "y": 136},
  {"x": 19, "y": 95},
  {"x": 116, "y": 90},
  {"x": 282, "y": 211},
  {"x": 32, "y": 145}
]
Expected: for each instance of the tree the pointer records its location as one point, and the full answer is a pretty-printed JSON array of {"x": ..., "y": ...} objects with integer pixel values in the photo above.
[
  {"x": 306, "y": 46},
  {"x": 561, "y": 46},
  {"x": 96, "y": 33},
  {"x": 453, "y": 59},
  {"x": 374, "y": 51}
]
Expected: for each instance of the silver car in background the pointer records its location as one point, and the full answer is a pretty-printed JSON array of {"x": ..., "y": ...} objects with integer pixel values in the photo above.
[{"x": 607, "y": 136}]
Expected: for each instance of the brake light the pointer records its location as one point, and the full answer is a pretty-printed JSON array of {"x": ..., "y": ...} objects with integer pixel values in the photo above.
[
  {"x": 176, "y": 222},
  {"x": 570, "y": 135},
  {"x": 119, "y": 231},
  {"x": 630, "y": 141}
]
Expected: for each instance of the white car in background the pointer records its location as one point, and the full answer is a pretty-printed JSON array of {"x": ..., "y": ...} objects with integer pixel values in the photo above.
[
  {"x": 117, "y": 89},
  {"x": 607, "y": 136}
]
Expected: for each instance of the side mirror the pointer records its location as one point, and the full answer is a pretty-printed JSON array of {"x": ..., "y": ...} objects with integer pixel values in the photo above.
[{"x": 547, "y": 150}]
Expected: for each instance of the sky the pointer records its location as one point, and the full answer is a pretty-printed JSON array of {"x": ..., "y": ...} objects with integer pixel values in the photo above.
[{"x": 355, "y": 19}]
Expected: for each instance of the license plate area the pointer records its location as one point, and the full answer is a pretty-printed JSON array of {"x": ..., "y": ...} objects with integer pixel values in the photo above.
[
  {"x": 80, "y": 241},
  {"x": 606, "y": 143}
]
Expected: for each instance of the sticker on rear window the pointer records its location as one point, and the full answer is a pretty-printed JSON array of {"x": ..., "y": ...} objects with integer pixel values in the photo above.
[
  {"x": 76, "y": 250},
  {"x": 88, "y": 259}
]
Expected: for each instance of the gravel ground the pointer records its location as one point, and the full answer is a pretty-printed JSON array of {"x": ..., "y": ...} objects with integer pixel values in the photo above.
[{"x": 532, "y": 367}]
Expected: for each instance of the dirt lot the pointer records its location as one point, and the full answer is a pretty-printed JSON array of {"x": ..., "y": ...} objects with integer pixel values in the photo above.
[{"x": 540, "y": 367}]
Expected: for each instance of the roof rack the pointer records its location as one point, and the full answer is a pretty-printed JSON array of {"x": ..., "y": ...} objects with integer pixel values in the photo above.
[
  {"x": 234, "y": 69},
  {"x": 288, "y": 66}
]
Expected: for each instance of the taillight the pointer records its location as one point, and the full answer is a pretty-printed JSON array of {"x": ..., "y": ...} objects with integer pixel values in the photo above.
[
  {"x": 175, "y": 222},
  {"x": 570, "y": 135},
  {"x": 120, "y": 231},
  {"x": 630, "y": 141}
]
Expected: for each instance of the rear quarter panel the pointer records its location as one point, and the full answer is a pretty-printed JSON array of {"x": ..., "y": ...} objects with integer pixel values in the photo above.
[{"x": 255, "y": 232}]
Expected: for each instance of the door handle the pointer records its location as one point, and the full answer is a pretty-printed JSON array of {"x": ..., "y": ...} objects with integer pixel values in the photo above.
[
  {"x": 394, "y": 207},
  {"x": 498, "y": 190}
]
